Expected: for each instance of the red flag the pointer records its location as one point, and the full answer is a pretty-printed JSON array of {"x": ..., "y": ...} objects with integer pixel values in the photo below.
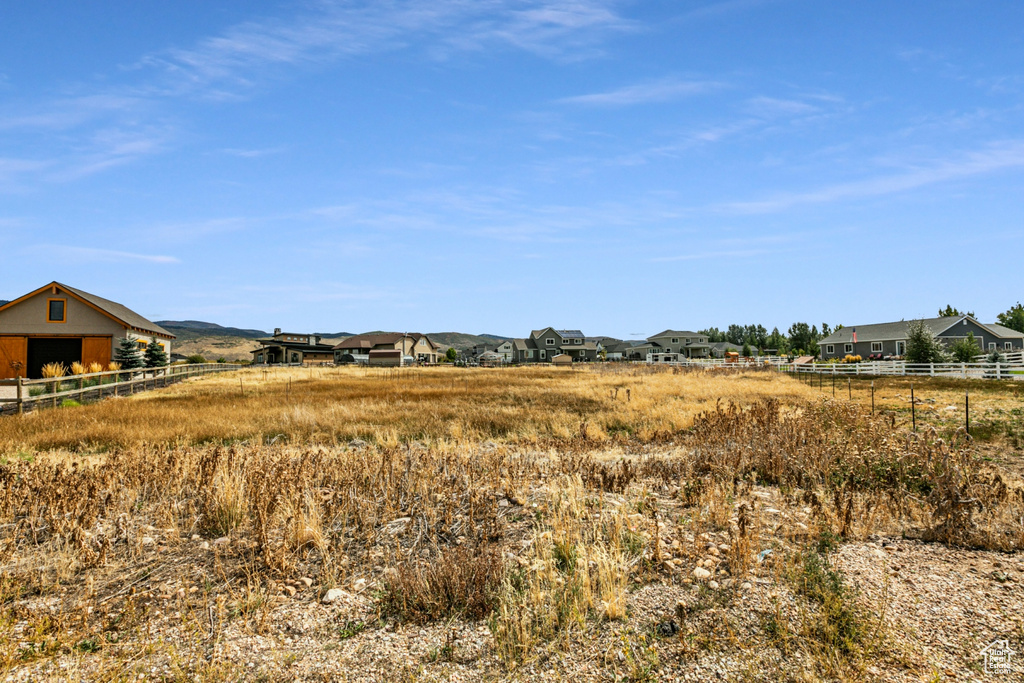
[{"x": 855, "y": 335}]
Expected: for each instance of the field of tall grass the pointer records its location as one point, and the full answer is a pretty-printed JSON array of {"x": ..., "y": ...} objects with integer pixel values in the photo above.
[
  {"x": 533, "y": 501},
  {"x": 332, "y": 406}
]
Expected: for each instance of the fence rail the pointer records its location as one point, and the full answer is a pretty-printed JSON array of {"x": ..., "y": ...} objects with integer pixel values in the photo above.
[
  {"x": 882, "y": 368},
  {"x": 32, "y": 394}
]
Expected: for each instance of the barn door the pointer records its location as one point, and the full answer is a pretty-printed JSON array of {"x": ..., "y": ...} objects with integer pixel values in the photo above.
[
  {"x": 96, "y": 350},
  {"x": 13, "y": 357}
]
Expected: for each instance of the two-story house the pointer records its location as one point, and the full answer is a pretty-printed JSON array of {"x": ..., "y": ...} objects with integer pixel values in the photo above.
[
  {"x": 387, "y": 348},
  {"x": 292, "y": 348},
  {"x": 543, "y": 345},
  {"x": 671, "y": 345}
]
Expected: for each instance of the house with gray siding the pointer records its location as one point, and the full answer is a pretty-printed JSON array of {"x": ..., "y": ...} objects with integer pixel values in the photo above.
[
  {"x": 671, "y": 345},
  {"x": 543, "y": 345},
  {"x": 889, "y": 340}
]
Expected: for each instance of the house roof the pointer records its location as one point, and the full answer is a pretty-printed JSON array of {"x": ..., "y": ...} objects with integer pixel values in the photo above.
[
  {"x": 898, "y": 330},
  {"x": 587, "y": 346},
  {"x": 675, "y": 333},
  {"x": 301, "y": 346},
  {"x": 571, "y": 334},
  {"x": 111, "y": 309},
  {"x": 1004, "y": 331}
]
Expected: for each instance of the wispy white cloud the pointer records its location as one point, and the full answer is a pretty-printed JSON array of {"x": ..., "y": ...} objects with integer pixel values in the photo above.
[
  {"x": 91, "y": 255},
  {"x": 253, "y": 153},
  {"x": 644, "y": 93},
  {"x": 770, "y": 107},
  {"x": 996, "y": 157},
  {"x": 67, "y": 112},
  {"x": 241, "y": 55}
]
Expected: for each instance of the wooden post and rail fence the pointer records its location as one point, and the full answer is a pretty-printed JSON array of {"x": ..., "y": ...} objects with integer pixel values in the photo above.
[{"x": 32, "y": 394}]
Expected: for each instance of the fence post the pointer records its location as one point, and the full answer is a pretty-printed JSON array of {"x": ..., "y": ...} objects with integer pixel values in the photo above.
[
  {"x": 872, "y": 397},
  {"x": 913, "y": 407},
  {"x": 21, "y": 396},
  {"x": 931, "y": 369}
]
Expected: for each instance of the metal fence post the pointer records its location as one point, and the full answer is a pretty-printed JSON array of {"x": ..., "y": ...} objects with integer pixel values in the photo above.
[{"x": 21, "y": 396}]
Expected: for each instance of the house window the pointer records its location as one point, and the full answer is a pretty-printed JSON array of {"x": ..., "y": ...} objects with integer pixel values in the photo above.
[
  {"x": 675, "y": 341},
  {"x": 849, "y": 348},
  {"x": 830, "y": 348},
  {"x": 1008, "y": 346},
  {"x": 901, "y": 348},
  {"x": 578, "y": 341},
  {"x": 56, "y": 310},
  {"x": 876, "y": 347},
  {"x": 141, "y": 344},
  {"x": 549, "y": 342},
  {"x": 991, "y": 346},
  {"x": 542, "y": 353}
]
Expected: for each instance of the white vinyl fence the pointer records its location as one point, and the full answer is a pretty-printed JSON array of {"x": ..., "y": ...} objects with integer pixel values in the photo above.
[{"x": 1012, "y": 369}]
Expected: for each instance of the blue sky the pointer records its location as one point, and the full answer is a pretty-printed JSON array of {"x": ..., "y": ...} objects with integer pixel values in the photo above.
[{"x": 491, "y": 166}]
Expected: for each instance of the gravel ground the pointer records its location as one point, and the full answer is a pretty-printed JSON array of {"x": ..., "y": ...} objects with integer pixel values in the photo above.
[{"x": 938, "y": 608}]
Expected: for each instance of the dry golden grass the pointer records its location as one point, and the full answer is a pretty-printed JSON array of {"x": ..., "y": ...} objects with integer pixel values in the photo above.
[
  {"x": 387, "y": 407},
  {"x": 481, "y": 494}
]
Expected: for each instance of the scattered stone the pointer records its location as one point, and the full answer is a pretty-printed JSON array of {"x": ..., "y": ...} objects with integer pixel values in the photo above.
[
  {"x": 356, "y": 444},
  {"x": 223, "y": 540},
  {"x": 332, "y": 596},
  {"x": 746, "y": 585},
  {"x": 713, "y": 585},
  {"x": 359, "y": 585},
  {"x": 196, "y": 537},
  {"x": 667, "y": 629},
  {"x": 701, "y": 573},
  {"x": 205, "y": 545},
  {"x": 306, "y": 581},
  {"x": 148, "y": 540}
]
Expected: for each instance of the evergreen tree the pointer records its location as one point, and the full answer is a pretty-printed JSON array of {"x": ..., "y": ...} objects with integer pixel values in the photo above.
[
  {"x": 155, "y": 356},
  {"x": 747, "y": 352},
  {"x": 127, "y": 354},
  {"x": 922, "y": 346},
  {"x": 950, "y": 312},
  {"x": 965, "y": 350},
  {"x": 1013, "y": 318}
]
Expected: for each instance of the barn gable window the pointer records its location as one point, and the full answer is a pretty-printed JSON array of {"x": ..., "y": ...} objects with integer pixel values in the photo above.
[{"x": 56, "y": 310}]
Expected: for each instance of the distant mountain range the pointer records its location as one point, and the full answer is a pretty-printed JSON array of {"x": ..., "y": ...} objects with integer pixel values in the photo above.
[
  {"x": 191, "y": 330},
  {"x": 185, "y": 330}
]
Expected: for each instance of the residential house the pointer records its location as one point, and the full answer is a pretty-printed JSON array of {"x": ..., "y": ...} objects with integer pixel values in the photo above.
[
  {"x": 379, "y": 348},
  {"x": 502, "y": 347},
  {"x": 543, "y": 345},
  {"x": 616, "y": 349},
  {"x": 289, "y": 348},
  {"x": 887, "y": 340},
  {"x": 718, "y": 349},
  {"x": 671, "y": 345},
  {"x": 62, "y": 324}
]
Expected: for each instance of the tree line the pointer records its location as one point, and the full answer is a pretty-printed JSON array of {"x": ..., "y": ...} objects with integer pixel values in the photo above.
[{"x": 802, "y": 338}]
